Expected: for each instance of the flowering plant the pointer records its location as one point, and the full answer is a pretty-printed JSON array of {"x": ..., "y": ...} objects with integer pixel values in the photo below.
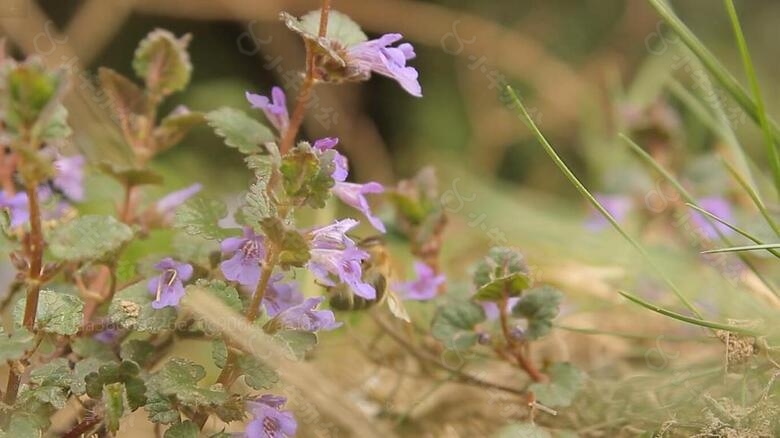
[{"x": 95, "y": 327}]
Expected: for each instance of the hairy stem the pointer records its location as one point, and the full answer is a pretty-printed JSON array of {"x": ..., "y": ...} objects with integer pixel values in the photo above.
[{"x": 288, "y": 137}]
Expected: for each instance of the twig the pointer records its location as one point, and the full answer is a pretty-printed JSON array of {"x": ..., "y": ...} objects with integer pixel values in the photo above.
[{"x": 426, "y": 357}]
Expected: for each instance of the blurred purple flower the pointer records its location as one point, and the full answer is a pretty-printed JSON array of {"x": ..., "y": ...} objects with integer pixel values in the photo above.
[
  {"x": 378, "y": 56},
  {"x": 305, "y": 317},
  {"x": 247, "y": 251},
  {"x": 339, "y": 160},
  {"x": 275, "y": 109},
  {"x": 70, "y": 176},
  {"x": 107, "y": 336},
  {"x": 168, "y": 287},
  {"x": 354, "y": 195},
  {"x": 281, "y": 296},
  {"x": 617, "y": 205},
  {"x": 167, "y": 204},
  {"x": 333, "y": 254},
  {"x": 18, "y": 208},
  {"x": 718, "y": 207},
  {"x": 269, "y": 420},
  {"x": 491, "y": 308},
  {"x": 424, "y": 287}
]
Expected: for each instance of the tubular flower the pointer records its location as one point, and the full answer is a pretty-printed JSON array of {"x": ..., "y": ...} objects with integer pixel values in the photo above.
[
  {"x": 269, "y": 420},
  {"x": 275, "y": 108},
  {"x": 425, "y": 286},
  {"x": 247, "y": 253},
  {"x": 168, "y": 287},
  {"x": 335, "y": 256},
  {"x": 380, "y": 57}
]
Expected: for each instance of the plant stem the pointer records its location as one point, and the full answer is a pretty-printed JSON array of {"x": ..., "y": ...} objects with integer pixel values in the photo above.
[
  {"x": 36, "y": 258},
  {"x": 288, "y": 137},
  {"x": 516, "y": 348},
  {"x": 265, "y": 277}
]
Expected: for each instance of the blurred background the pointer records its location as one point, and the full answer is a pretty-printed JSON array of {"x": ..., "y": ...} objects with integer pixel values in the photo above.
[{"x": 587, "y": 70}]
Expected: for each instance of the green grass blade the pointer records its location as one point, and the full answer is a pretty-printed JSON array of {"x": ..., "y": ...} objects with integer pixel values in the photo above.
[
  {"x": 714, "y": 119},
  {"x": 711, "y": 63},
  {"x": 750, "y": 72},
  {"x": 650, "y": 161},
  {"x": 596, "y": 204},
  {"x": 754, "y": 196},
  {"x": 766, "y": 246},
  {"x": 687, "y": 319},
  {"x": 733, "y": 227}
]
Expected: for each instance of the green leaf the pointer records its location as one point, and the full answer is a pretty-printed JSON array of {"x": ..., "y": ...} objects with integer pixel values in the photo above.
[
  {"x": 115, "y": 372},
  {"x": 306, "y": 177},
  {"x": 49, "y": 384},
  {"x": 57, "y": 312},
  {"x": 161, "y": 409},
  {"x": 55, "y": 127},
  {"x": 222, "y": 290},
  {"x": 219, "y": 353},
  {"x": 175, "y": 126},
  {"x": 502, "y": 274},
  {"x": 82, "y": 369},
  {"x": 257, "y": 374},
  {"x": 179, "y": 378},
  {"x": 341, "y": 28},
  {"x": 523, "y": 430},
  {"x": 258, "y": 204},
  {"x": 200, "y": 217},
  {"x": 131, "y": 176},
  {"x": 127, "y": 98},
  {"x": 114, "y": 405},
  {"x": 454, "y": 324},
  {"x": 239, "y": 130},
  {"x": 31, "y": 90},
  {"x": 136, "y": 350},
  {"x": 296, "y": 342},
  {"x": 234, "y": 409},
  {"x": 510, "y": 286},
  {"x": 294, "y": 249},
  {"x": 162, "y": 61},
  {"x": 565, "y": 382},
  {"x": 55, "y": 373},
  {"x": 91, "y": 347},
  {"x": 539, "y": 306},
  {"x": 24, "y": 424},
  {"x": 131, "y": 309},
  {"x": 88, "y": 238},
  {"x": 185, "y": 429},
  {"x": 13, "y": 347}
]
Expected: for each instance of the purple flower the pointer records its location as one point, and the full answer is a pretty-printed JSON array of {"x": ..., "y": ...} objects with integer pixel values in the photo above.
[
  {"x": 339, "y": 160},
  {"x": 18, "y": 208},
  {"x": 167, "y": 204},
  {"x": 275, "y": 109},
  {"x": 354, "y": 195},
  {"x": 281, "y": 296},
  {"x": 617, "y": 205},
  {"x": 718, "y": 207},
  {"x": 378, "y": 56},
  {"x": 425, "y": 286},
  {"x": 168, "y": 287},
  {"x": 491, "y": 308},
  {"x": 269, "y": 420},
  {"x": 247, "y": 252},
  {"x": 305, "y": 317},
  {"x": 334, "y": 255},
  {"x": 70, "y": 176},
  {"x": 107, "y": 336}
]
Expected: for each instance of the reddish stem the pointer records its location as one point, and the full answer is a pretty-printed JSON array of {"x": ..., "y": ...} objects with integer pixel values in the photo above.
[
  {"x": 288, "y": 137},
  {"x": 514, "y": 347}
]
